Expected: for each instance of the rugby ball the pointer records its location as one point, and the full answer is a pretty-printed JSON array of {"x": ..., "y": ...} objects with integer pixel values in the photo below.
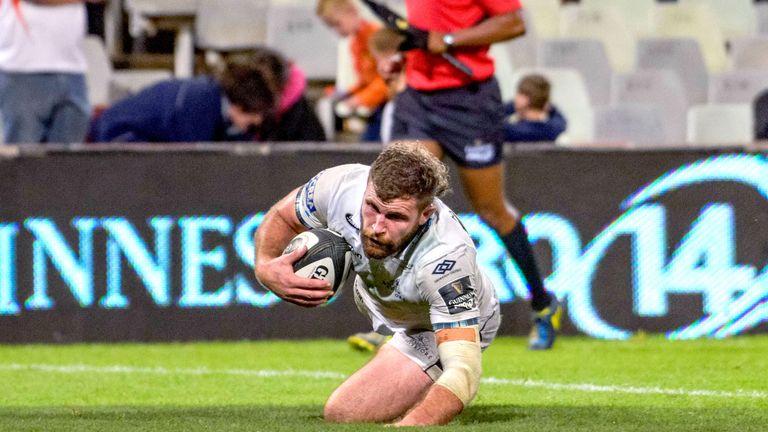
[{"x": 328, "y": 257}]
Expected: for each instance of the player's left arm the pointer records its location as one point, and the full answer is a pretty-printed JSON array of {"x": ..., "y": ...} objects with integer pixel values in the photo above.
[
  {"x": 495, "y": 29},
  {"x": 460, "y": 354}
]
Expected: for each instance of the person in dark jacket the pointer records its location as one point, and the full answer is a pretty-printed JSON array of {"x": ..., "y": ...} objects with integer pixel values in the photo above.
[
  {"x": 531, "y": 117},
  {"x": 257, "y": 97}
]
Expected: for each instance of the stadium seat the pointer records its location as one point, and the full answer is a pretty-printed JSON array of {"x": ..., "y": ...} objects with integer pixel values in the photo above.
[
  {"x": 504, "y": 70},
  {"x": 230, "y": 25},
  {"x": 735, "y": 18},
  {"x": 324, "y": 111},
  {"x": 605, "y": 24},
  {"x": 113, "y": 27},
  {"x": 545, "y": 15},
  {"x": 346, "y": 77},
  {"x": 569, "y": 93},
  {"x": 658, "y": 87},
  {"x": 761, "y": 15},
  {"x": 638, "y": 14},
  {"x": 298, "y": 33},
  {"x": 737, "y": 87},
  {"x": 99, "y": 72},
  {"x": 585, "y": 55},
  {"x": 106, "y": 85},
  {"x": 632, "y": 124},
  {"x": 760, "y": 110},
  {"x": 695, "y": 21},
  {"x": 146, "y": 17},
  {"x": 522, "y": 51},
  {"x": 749, "y": 52},
  {"x": 387, "y": 120},
  {"x": 720, "y": 124},
  {"x": 681, "y": 55}
]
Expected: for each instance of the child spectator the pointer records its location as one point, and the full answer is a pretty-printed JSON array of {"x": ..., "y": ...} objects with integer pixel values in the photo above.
[
  {"x": 531, "y": 117},
  {"x": 366, "y": 98},
  {"x": 257, "y": 97}
]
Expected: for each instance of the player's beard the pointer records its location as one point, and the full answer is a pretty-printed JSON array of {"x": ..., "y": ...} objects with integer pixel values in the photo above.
[{"x": 378, "y": 247}]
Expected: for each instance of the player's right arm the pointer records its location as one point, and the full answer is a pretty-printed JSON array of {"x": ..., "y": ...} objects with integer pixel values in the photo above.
[{"x": 274, "y": 270}]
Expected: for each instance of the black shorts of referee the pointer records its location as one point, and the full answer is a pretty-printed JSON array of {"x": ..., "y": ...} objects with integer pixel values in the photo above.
[{"x": 467, "y": 121}]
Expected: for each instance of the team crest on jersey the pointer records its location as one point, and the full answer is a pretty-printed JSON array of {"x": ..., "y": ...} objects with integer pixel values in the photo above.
[
  {"x": 444, "y": 267},
  {"x": 459, "y": 296}
]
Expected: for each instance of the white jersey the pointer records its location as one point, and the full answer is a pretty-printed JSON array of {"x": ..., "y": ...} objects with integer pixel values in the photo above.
[
  {"x": 41, "y": 38},
  {"x": 433, "y": 283}
]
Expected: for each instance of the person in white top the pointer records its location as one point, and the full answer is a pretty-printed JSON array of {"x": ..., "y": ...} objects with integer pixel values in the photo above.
[
  {"x": 43, "y": 96},
  {"x": 417, "y": 277}
]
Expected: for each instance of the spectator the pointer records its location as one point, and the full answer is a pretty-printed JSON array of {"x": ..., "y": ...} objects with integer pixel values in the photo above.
[
  {"x": 366, "y": 98},
  {"x": 258, "y": 96},
  {"x": 43, "y": 96},
  {"x": 531, "y": 117}
]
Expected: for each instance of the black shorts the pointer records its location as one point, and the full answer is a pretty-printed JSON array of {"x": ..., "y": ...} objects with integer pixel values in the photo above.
[{"x": 468, "y": 122}]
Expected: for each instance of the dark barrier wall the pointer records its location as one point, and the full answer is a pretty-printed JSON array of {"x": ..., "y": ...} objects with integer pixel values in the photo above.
[{"x": 152, "y": 244}]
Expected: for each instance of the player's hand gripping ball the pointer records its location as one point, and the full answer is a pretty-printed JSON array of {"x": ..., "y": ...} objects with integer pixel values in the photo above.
[{"x": 328, "y": 257}]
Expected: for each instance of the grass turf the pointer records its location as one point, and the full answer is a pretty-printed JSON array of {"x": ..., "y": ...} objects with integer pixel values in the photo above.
[{"x": 644, "y": 384}]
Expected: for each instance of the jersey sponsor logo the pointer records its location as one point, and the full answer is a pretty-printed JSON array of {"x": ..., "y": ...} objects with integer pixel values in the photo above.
[
  {"x": 351, "y": 223},
  {"x": 459, "y": 296},
  {"x": 444, "y": 267}
]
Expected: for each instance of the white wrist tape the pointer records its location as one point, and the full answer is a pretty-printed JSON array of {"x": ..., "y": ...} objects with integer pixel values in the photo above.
[{"x": 462, "y": 366}]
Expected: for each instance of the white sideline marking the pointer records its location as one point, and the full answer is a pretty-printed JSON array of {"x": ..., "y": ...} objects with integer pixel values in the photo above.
[
  {"x": 82, "y": 368},
  {"x": 266, "y": 373},
  {"x": 596, "y": 388}
]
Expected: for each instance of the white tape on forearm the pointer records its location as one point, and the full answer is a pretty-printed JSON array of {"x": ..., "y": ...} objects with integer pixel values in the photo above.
[{"x": 462, "y": 366}]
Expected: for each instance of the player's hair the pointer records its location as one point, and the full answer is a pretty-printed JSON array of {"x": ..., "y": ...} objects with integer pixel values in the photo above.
[
  {"x": 254, "y": 81},
  {"x": 408, "y": 170},
  {"x": 385, "y": 40},
  {"x": 537, "y": 89},
  {"x": 325, "y": 7}
]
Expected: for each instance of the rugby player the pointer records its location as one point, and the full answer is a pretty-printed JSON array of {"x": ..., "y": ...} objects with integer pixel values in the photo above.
[{"x": 417, "y": 278}]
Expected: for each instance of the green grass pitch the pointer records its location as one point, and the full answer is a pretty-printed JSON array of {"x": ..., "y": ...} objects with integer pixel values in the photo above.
[{"x": 644, "y": 384}]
